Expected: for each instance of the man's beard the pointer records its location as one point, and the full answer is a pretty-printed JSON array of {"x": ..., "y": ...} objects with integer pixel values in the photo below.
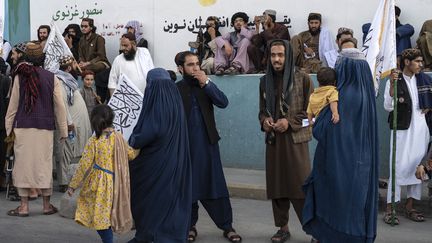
[
  {"x": 42, "y": 39},
  {"x": 130, "y": 55},
  {"x": 315, "y": 32},
  {"x": 190, "y": 78},
  {"x": 74, "y": 73}
]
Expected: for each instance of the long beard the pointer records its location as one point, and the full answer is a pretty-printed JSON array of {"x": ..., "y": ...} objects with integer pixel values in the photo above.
[
  {"x": 190, "y": 78},
  {"x": 130, "y": 55},
  {"x": 315, "y": 32}
]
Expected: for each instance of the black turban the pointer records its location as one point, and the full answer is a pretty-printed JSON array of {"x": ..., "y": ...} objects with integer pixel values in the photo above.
[{"x": 239, "y": 15}]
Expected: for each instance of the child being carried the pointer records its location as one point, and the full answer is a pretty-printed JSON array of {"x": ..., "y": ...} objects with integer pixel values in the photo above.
[{"x": 324, "y": 95}]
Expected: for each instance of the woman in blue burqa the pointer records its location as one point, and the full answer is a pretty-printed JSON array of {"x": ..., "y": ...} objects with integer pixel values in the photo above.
[
  {"x": 161, "y": 189},
  {"x": 342, "y": 191}
]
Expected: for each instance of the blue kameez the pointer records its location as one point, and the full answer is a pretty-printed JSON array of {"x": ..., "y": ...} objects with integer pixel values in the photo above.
[{"x": 208, "y": 181}]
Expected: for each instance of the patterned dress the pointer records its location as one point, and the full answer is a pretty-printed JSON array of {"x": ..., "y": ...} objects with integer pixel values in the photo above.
[{"x": 95, "y": 200}]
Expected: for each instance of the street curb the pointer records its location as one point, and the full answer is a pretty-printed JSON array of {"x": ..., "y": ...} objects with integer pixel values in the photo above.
[
  {"x": 256, "y": 192},
  {"x": 247, "y": 191}
]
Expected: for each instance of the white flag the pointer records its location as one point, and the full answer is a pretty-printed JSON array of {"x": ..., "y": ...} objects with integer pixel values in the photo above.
[
  {"x": 126, "y": 103},
  {"x": 55, "y": 47},
  {"x": 380, "y": 43}
]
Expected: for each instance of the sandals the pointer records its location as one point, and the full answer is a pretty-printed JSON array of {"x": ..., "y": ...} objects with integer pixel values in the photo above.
[
  {"x": 232, "y": 71},
  {"x": 220, "y": 72},
  {"x": 414, "y": 215},
  {"x": 232, "y": 236},
  {"x": 388, "y": 219},
  {"x": 15, "y": 212},
  {"x": 193, "y": 233},
  {"x": 280, "y": 236},
  {"x": 53, "y": 210}
]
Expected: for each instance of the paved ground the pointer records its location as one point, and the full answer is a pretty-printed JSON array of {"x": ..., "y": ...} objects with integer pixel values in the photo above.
[{"x": 253, "y": 219}]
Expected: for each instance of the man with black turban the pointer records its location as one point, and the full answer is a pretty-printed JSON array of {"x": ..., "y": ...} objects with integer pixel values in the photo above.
[{"x": 231, "y": 52}]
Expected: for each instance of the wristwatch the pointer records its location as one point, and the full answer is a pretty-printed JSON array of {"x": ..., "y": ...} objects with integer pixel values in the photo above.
[{"x": 206, "y": 82}]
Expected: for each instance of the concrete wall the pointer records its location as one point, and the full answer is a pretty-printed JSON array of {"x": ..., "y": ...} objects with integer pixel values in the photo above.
[{"x": 242, "y": 144}]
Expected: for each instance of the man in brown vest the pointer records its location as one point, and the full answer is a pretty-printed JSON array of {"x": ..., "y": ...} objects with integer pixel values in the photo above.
[{"x": 284, "y": 95}]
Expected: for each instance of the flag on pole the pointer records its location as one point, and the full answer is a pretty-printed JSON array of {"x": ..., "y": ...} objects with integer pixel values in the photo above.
[
  {"x": 55, "y": 47},
  {"x": 379, "y": 46}
]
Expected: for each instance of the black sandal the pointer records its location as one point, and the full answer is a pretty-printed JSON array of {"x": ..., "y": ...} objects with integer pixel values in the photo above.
[
  {"x": 280, "y": 236},
  {"x": 193, "y": 233},
  {"x": 232, "y": 235},
  {"x": 15, "y": 212}
]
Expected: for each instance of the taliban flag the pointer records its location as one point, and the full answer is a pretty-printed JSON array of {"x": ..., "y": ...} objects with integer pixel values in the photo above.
[
  {"x": 55, "y": 47},
  {"x": 379, "y": 46}
]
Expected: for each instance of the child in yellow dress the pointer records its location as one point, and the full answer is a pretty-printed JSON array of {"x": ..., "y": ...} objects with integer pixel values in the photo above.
[
  {"x": 325, "y": 94},
  {"x": 104, "y": 201}
]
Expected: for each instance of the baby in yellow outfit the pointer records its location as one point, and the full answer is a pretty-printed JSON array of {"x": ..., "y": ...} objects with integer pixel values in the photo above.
[{"x": 325, "y": 94}]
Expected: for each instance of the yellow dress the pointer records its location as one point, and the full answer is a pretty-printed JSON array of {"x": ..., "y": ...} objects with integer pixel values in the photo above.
[
  {"x": 320, "y": 98},
  {"x": 95, "y": 200}
]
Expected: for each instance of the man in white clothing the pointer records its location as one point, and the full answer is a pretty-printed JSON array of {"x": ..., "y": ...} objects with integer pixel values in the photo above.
[
  {"x": 412, "y": 134},
  {"x": 134, "y": 62}
]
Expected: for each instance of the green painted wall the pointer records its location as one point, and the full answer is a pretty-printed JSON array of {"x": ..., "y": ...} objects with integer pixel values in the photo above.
[{"x": 17, "y": 27}]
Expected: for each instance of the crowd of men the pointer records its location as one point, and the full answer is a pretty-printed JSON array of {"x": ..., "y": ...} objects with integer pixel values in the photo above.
[
  {"x": 244, "y": 49},
  {"x": 50, "y": 108}
]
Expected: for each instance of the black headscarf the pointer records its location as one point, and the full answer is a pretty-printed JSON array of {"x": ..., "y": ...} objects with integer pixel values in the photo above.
[{"x": 288, "y": 79}]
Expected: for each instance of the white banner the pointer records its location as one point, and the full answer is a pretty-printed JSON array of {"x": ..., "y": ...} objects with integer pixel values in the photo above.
[
  {"x": 126, "y": 103},
  {"x": 169, "y": 25},
  {"x": 55, "y": 47},
  {"x": 2, "y": 24},
  {"x": 380, "y": 43}
]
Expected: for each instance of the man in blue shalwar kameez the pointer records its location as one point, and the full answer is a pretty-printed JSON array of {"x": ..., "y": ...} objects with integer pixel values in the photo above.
[{"x": 199, "y": 96}]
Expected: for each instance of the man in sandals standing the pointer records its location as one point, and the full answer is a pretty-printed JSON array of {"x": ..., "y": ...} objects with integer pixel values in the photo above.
[
  {"x": 200, "y": 95},
  {"x": 284, "y": 97},
  {"x": 35, "y": 110},
  {"x": 414, "y": 101}
]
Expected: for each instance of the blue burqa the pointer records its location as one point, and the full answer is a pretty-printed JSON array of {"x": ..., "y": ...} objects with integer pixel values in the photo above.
[
  {"x": 161, "y": 186},
  {"x": 342, "y": 191}
]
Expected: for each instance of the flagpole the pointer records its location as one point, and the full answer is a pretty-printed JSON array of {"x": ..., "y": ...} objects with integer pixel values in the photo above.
[{"x": 393, "y": 172}]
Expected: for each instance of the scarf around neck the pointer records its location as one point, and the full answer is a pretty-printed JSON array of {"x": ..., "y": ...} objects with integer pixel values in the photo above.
[
  {"x": 70, "y": 84},
  {"x": 28, "y": 73},
  {"x": 287, "y": 85}
]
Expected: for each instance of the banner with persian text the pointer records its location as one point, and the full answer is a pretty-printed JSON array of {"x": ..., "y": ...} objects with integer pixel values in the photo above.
[{"x": 170, "y": 25}]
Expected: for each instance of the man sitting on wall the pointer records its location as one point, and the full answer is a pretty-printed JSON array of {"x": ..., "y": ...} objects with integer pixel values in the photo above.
[{"x": 231, "y": 52}]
